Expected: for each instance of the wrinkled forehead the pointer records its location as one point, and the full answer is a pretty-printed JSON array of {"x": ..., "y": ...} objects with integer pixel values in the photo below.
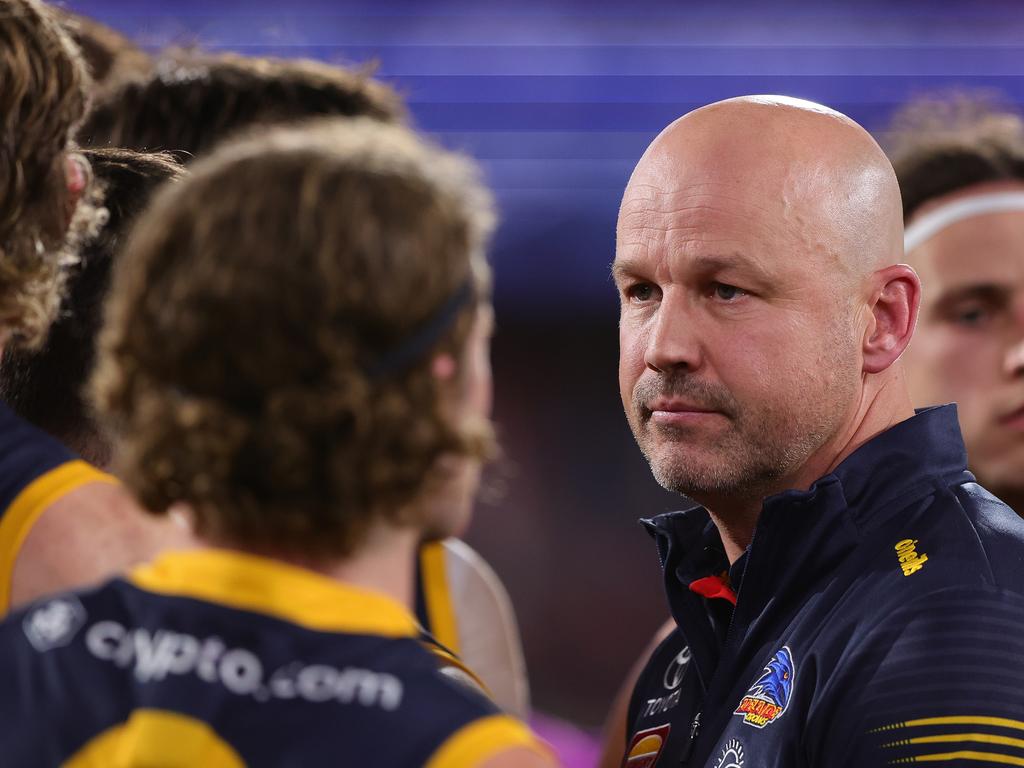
[{"x": 699, "y": 212}]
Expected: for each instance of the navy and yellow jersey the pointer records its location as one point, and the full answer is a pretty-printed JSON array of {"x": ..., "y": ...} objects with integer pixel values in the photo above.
[
  {"x": 35, "y": 471},
  {"x": 876, "y": 619},
  {"x": 214, "y": 658}
]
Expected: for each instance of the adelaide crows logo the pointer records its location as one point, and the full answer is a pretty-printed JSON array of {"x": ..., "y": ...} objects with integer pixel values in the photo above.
[{"x": 767, "y": 699}]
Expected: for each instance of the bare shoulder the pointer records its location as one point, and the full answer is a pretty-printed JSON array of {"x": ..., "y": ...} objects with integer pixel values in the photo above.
[{"x": 91, "y": 533}]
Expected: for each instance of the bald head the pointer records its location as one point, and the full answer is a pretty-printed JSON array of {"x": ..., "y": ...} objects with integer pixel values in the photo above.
[
  {"x": 820, "y": 178},
  {"x": 763, "y": 306}
]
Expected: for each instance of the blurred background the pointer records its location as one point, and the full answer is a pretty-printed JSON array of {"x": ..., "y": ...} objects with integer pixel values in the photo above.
[{"x": 557, "y": 101}]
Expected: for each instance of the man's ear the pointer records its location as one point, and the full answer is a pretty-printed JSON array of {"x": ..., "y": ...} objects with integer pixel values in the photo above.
[
  {"x": 895, "y": 301},
  {"x": 443, "y": 366}
]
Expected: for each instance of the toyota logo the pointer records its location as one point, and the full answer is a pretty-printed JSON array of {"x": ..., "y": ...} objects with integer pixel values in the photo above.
[{"x": 676, "y": 670}]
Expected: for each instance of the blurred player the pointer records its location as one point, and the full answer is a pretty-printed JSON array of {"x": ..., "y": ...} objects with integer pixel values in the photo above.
[
  {"x": 62, "y": 522},
  {"x": 960, "y": 164},
  {"x": 191, "y": 103},
  {"x": 296, "y": 357},
  {"x": 45, "y": 386},
  {"x": 109, "y": 56}
]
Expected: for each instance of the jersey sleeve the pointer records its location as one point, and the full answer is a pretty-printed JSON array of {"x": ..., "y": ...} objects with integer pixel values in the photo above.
[
  {"x": 479, "y": 741},
  {"x": 35, "y": 471},
  {"x": 941, "y": 682}
]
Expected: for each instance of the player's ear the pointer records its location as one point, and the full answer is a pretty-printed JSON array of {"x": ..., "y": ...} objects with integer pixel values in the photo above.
[
  {"x": 443, "y": 366},
  {"x": 894, "y": 303}
]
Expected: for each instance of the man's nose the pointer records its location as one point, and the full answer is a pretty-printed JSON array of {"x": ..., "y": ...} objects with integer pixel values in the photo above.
[
  {"x": 673, "y": 342},
  {"x": 1013, "y": 362}
]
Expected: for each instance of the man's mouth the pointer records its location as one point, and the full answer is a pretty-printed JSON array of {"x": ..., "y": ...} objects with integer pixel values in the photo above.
[
  {"x": 1014, "y": 419},
  {"x": 679, "y": 412}
]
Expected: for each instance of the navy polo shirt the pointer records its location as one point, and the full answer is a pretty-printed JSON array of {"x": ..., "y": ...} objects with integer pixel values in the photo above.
[{"x": 876, "y": 619}]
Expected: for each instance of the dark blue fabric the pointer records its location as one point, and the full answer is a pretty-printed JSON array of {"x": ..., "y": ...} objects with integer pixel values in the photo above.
[
  {"x": 875, "y": 643},
  {"x": 26, "y": 453},
  {"x": 56, "y": 699}
]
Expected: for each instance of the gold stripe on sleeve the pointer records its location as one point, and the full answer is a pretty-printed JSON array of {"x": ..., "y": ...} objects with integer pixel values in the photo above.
[
  {"x": 481, "y": 740},
  {"x": 21, "y": 515}
]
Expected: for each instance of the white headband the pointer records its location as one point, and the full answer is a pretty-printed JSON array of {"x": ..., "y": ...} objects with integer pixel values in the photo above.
[{"x": 937, "y": 220}]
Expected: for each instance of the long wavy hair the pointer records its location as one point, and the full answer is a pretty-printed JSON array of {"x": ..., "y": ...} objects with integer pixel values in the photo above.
[{"x": 249, "y": 314}]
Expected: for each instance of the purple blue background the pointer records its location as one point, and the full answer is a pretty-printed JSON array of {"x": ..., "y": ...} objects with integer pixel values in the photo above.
[{"x": 557, "y": 101}]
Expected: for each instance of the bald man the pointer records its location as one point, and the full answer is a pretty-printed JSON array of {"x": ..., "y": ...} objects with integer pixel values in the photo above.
[{"x": 844, "y": 593}]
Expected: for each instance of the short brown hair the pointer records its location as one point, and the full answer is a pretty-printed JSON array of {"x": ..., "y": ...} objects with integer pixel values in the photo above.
[
  {"x": 45, "y": 386},
  {"x": 193, "y": 101},
  {"x": 248, "y": 312},
  {"x": 943, "y": 143},
  {"x": 42, "y": 97}
]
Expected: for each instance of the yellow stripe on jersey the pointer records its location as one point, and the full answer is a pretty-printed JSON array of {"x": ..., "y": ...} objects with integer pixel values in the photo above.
[
  {"x": 481, "y": 740},
  {"x": 17, "y": 521},
  {"x": 998, "y": 722},
  {"x": 154, "y": 737},
  {"x": 985, "y": 738},
  {"x": 252, "y": 583},
  {"x": 437, "y": 596},
  {"x": 984, "y": 757}
]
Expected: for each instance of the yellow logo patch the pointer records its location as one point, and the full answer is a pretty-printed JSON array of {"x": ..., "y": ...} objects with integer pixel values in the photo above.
[{"x": 910, "y": 560}]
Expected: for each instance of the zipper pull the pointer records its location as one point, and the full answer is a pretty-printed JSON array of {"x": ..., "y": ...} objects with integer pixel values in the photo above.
[{"x": 694, "y": 732}]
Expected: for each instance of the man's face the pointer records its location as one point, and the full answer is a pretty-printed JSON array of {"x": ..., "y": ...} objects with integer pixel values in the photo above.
[
  {"x": 739, "y": 343},
  {"x": 969, "y": 343},
  {"x": 452, "y": 506}
]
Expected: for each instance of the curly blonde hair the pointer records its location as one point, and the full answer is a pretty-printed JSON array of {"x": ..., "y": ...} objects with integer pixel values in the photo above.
[
  {"x": 247, "y": 314},
  {"x": 42, "y": 98}
]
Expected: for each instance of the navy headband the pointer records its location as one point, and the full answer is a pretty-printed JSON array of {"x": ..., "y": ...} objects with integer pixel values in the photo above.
[{"x": 414, "y": 347}]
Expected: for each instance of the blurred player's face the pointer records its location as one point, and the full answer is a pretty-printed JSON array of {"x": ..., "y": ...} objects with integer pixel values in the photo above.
[
  {"x": 739, "y": 348},
  {"x": 969, "y": 343},
  {"x": 452, "y": 507}
]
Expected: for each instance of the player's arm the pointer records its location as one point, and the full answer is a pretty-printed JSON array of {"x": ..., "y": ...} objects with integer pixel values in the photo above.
[
  {"x": 496, "y": 741},
  {"x": 470, "y": 612},
  {"x": 64, "y": 523},
  {"x": 939, "y": 681},
  {"x": 615, "y": 725}
]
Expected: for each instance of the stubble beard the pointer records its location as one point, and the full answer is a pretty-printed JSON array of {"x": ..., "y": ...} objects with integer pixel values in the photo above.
[{"x": 755, "y": 453}]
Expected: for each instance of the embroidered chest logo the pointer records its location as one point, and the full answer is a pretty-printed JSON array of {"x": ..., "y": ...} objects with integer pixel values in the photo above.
[
  {"x": 646, "y": 747},
  {"x": 731, "y": 755},
  {"x": 767, "y": 699},
  {"x": 910, "y": 561}
]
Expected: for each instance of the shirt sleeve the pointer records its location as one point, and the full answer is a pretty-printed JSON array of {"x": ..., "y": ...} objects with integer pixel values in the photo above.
[
  {"x": 35, "y": 471},
  {"x": 479, "y": 741},
  {"x": 26, "y": 453},
  {"x": 940, "y": 681}
]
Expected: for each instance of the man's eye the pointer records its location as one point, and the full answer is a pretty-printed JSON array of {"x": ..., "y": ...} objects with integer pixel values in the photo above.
[
  {"x": 640, "y": 292},
  {"x": 970, "y": 318},
  {"x": 727, "y": 292}
]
